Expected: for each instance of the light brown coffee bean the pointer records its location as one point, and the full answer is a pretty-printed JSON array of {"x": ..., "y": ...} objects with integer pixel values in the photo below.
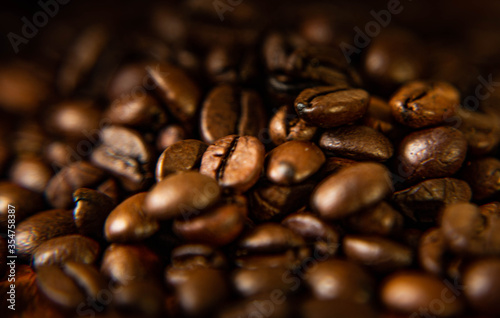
[{"x": 183, "y": 155}]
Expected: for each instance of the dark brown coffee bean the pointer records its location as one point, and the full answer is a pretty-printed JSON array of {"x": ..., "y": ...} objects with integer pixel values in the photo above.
[
  {"x": 23, "y": 201},
  {"x": 62, "y": 249},
  {"x": 191, "y": 256},
  {"x": 30, "y": 139},
  {"x": 258, "y": 281},
  {"x": 276, "y": 48},
  {"x": 229, "y": 65},
  {"x": 140, "y": 298},
  {"x": 342, "y": 309},
  {"x": 431, "y": 251},
  {"x": 41, "y": 227},
  {"x": 58, "y": 287},
  {"x": 356, "y": 142},
  {"x": 340, "y": 280},
  {"x": 293, "y": 162},
  {"x": 273, "y": 305},
  {"x": 177, "y": 90},
  {"x": 91, "y": 210},
  {"x": 31, "y": 173},
  {"x": 421, "y": 104},
  {"x": 382, "y": 219},
  {"x": 431, "y": 153},
  {"x": 182, "y": 156},
  {"x": 351, "y": 190},
  {"x": 334, "y": 164},
  {"x": 182, "y": 194},
  {"x": 81, "y": 174},
  {"x": 283, "y": 89},
  {"x": 169, "y": 136},
  {"x": 235, "y": 162},
  {"x": 285, "y": 125},
  {"x": 142, "y": 112},
  {"x": 331, "y": 106},
  {"x": 129, "y": 80},
  {"x": 127, "y": 222},
  {"x": 483, "y": 176},
  {"x": 228, "y": 110},
  {"x": 377, "y": 253},
  {"x": 318, "y": 28},
  {"x": 379, "y": 117},
  {"x": 424, "y": 201},
  {"x": 481, "y": 279},
  {"x": 480, "y": 128},
  {"x": 125, "y": 154},
  {"x": 422, "y": 292}
]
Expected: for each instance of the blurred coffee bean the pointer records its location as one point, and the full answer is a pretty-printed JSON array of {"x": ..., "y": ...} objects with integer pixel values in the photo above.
[
  {"x": 293, "y": 162},
  {"x": 41, "y": 227},
  {"x": 139, "y": 298},
  {"x": 30, "y": 138},
  {"x": 91, "y": 210},
  {"x": 272, "y": 305},
  {"x": 24, "y": 202},
  {"x": 483, "y": 176},
  {"x": 231, "y": 65},
  {"x": 129, "y": 81},
  {"x": 431, "y": 251},
  {"x": 283, "y": 89},
  {"x": 258, "y": 281},
  {"x": 191, "y": 256},
  {"x": 331, "y": 106},
  {"x": 351, "y": 190},
  {"x": 356, "y": 142},
  {"x": 285, "y": 125},
  {"x": 381, "y": 219},
  {"x": 111, "y": 189},
  {"x": 481, "y": 279},
  {"x": 229, "y": 110},
  {"x": 234, "y": 161},
  {"x": 341, "y": 308},
  {"x": 127, "y": 222},
  {"x": 31, "y": 173},
  {"x": 424, "y": 201},
  {"x": 431, "y": 153},
  {"x": 140, "y": 112},
  {"x": 481, "y": 128},
  {"x": 63, "y": 249},
  {"x": 183, "y": 155},
  {"x": 379, "y": 117},
  {"x": 63, "y": 153},
  {"x": 169, "y": 136},
  {"x": 334, "y": 164},
  {"x": 277, "y": 47}
]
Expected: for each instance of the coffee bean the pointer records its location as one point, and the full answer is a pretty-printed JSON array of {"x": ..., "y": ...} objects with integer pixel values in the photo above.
[
  {"x": 483, "y": 176},
  {"x": 225, "y": 64},
  {"x": 481, "y": 279},
  {"x": 126, "y": 155},
  {"x": 481, "y": 129},
  {"x": 431, "y": 153},
  {"x": 351, "y": 190},
  {"x": 127, "y": 80},
  {"x": 62, "y": 249},
  {"x": 139, "y": 298},
  {"x": 182, "y": 194},
  {"x": 249, "y": 306},
  {"x": 283, "y": 89},
  {"x": 182, "y": 156},
  {"x": 169, "y": 136},
  {"x": 381, "y": 219},
  {"x": 334, "y": 164},
  {"x": 228, "y": 110},
  {"x": 331, "y": 106},
  {"x": 41, "y": 227},
  {"x": 421, "y": 104},
  {"x": 127, "y": 222},
  {"x": 421, "y": 292},
  {"x": 191, "y": 256},
  {"x": 23, "y": 201},
  {"x": 258, "y": 281},
  {"x": 235, "y": 162},
  {"x": 90, "y": 212},
  {"x": 285, "y": 125},
  {"x": 293, "y": 162},
  {"x": 140, "y": 112},
  {"x": 276, "y": 48},
  {"x": 31, "y": 173},
  {"x": 424, "y": 201},
  {"x": 431, "y": 251},
  {"x": 356, "y": 142},
  {"x": 379, "y": 117}
]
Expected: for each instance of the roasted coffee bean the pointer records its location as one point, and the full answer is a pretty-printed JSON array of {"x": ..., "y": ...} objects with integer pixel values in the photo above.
[
  {"x": 481, "y": 279},
  {"x": 141, "y": 298},
  {"x": 409, "y": 292},
  {"x": 126, "y": 155},
  {"x": 283, "y": 89},
  {"x": 62, "y": 249},
  {"x": 127, "y": 222},
  {"x": 81, "y": 174},
  {"x": 431, "y": 153},
  {"x": 182, "y": 156},
  {"x": 169, "y": 136},
  {"x": 334, "y": 164},
  {"x": 183, "y": 194},
  {"x": 141, "y": 112},
  {"x": 377, "y": 253},
  {"x": 323, "y": 237},
  {"x": 91, "y": 210},
  {"x": 469, "y": 232},
  {"x": 128, "y": 81},
  {"x": 258, "y": 281},
  {"x": 15, "y": 198},
  {"x": 480, "y": 128},
  {"x": 228, "y": 110},
  {"x": 483, "y": 176},
  {"x": 421, "y": 104},
  {"x": 31, "y": 173},
  {"x": 431, "y": 251},
  {"x": 276, "y": 48},
  {"x": 379, "y": 117},
  {"x": 41, "y": 227},
  {"x": 248, "y": 307},
  {"x": 30, "y": 139},
  {"x": 285, "y": 125},
  {"x": 356, "y": 142},
  {"x": 343, "y": 309},
  {"x": 293, "y": 162},
  {"x": 351, "y": 190},
  {"x": 382, "y": 219},
  {"x": 424, "y": 201},
  {"x": 191, "y": 256},
  {"x": 229, "y": 65},
  {"x": 340, "y": 280},
  {"x": 331, "y": 106},
  {"x": 177, "y": 90},
  {"x": 234, "y": 161}
]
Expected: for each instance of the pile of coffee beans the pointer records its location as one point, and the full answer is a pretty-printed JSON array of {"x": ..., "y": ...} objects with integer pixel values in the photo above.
[{"x": 244, "y": 159}]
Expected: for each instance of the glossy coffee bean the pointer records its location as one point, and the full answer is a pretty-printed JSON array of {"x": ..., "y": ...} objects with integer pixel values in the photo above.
[
  {"x": 31, "y": 173},
  {"x": 127, "y": 222},
  {"x": 293, "y": 162},
  {"x": 180, "y": 93},
  {"x": 191, "y": 256},
  {"x": 483, "y": 176},
  {"x": 63, "y": 249},
  {"x": 229, "y": 110},
  {"x": 126, "y": 155},
  {"x": 431, "y": 251},
  {"x": 356, "y": 142},
  {"x": 409, "y": 292},
  {"x": 285, "y": 125},
  {"x": 81, "y": 174},
  {"x": 41, "y": 227},
  {"x": 351, "y": 190},
  {"x": 424, "y": 201},
  {"x": 331, "y": 106},
  {"x": 253, "y": 282},
  {"x": 340, "y": 280},
  {"x": 421, "y": 104},
  {"x": 431, "y": 153},
  {"x": 91, "y": 210},
  {"x": 234, "y": 161},
  {"x": 137, "y": 111},
  {"x": 481, "y": 279},
  {"x": 23, "y": 201},
  {"x": 183, "y": 194},
  {"x": 183, "y": 155},
  {"x": 381, "y": 219}
]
